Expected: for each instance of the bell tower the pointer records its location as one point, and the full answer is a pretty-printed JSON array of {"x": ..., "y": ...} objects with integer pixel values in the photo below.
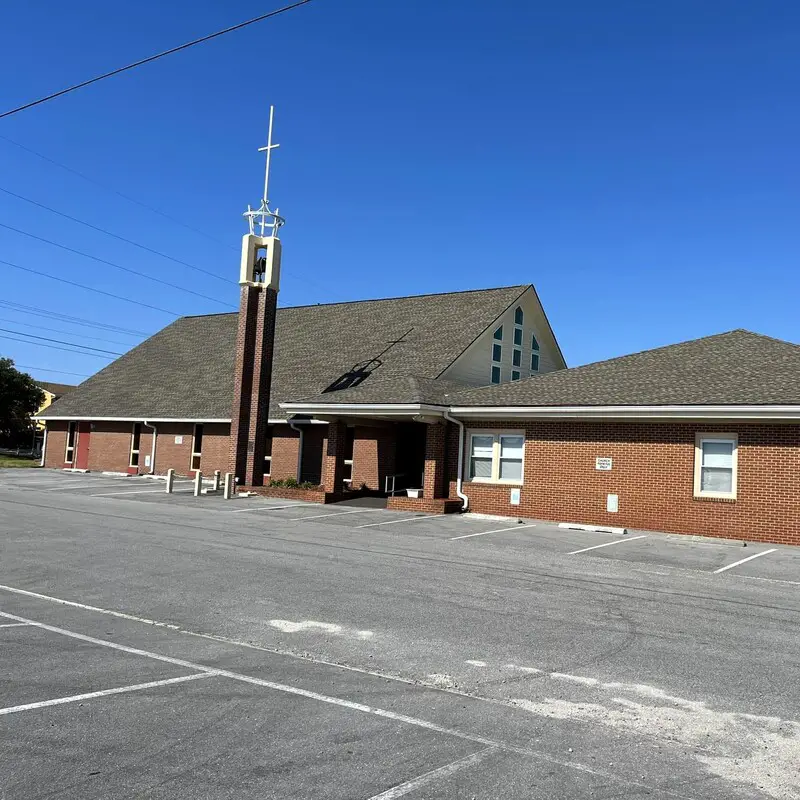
[{"x": 259, "y": 279}]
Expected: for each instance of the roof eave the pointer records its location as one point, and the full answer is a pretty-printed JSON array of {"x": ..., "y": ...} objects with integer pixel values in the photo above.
[
  {"x": 365, "y": 409},
  {"x": 688, "y": 412}
]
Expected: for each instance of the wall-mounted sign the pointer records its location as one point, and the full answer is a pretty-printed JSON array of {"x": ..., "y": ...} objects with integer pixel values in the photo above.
[
  {"x": 179, "y": 440},
  {"x": 612, "y": 503},
  {"x": 514, "y": 499},
  {"x": 603, "y": 463}
]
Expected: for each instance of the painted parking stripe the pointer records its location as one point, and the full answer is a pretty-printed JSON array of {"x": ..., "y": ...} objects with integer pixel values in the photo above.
[
  {"x": 607, "y": 544},
  {"x": 392, "y": 521},
  {"x": 268, "y": 508},
  {"x": 137, "y": 491},
  {"x": 14, "y": 625},
  {"x": 342, "y": 703},
  {"x": 744, "y": 560},
  {"x": 497, "y": 530},
  {"x": 335, "y": 514},
  {"x": 75, "y": 698},
  {"x": 435, "y": 774}
]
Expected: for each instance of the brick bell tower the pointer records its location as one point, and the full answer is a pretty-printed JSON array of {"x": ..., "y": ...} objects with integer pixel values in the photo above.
[{"x": 259, "y": 279}]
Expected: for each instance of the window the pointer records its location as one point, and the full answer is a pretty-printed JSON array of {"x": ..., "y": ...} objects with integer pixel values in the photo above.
[
  {"x": 197, "y": 446},
  {"x": 516, "y": 359},
  {"x": 515, "y": 375},
  {"x": 70, "y": 453},
  {"x": 268, "y": 452},
  {"x": 534, "y": 342},
  {"x": 495, "y": 374},
  {"x": 496, "y": 457},
  {"x": 715, "y": 465},
  {"x": 349, "y": 448},
  {"x": 136, "y": 437},
  {"x": 498, "y": 334},
  {"x": 497, "y": 356},
  {"x": 534, "y": 353},
  {"x": 497, "y": 352},
  {"x": 518, "y": 316},
  {"x": 518, "y": 337}
]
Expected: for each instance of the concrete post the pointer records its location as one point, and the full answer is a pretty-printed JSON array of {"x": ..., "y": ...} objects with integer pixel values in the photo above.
[
  {"x": 229, "y": 489},
  {"x": 170, "y": 480},
  {"x": 216, "y": 480},
  {"x": 198, "y": 483}
]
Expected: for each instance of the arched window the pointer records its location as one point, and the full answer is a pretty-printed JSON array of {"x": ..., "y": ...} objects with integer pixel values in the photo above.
[
  {"x": 518, "y": 316},
  {"x": 534, "y": 353}
]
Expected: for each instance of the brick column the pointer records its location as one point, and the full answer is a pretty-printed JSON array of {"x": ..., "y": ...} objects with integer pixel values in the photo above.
[
  {"x": 255, "y": 341},
  {"x": 435, "y": 462},
  {"x": 333, "y": 457}
]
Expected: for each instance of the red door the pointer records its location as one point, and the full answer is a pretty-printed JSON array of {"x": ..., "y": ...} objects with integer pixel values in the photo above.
[{"x": 82, "y": 456}]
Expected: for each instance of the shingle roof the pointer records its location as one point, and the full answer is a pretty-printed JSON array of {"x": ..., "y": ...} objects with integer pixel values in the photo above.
[
  {"x": 396, "y": 389},
  {"x": 186, "y": 370},
  {"x": 58, "y": 389},
  {"x": 734, "y": 368}
]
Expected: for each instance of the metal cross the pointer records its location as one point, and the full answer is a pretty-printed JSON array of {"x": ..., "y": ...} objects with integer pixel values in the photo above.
[{"x": 269, "y": 148}]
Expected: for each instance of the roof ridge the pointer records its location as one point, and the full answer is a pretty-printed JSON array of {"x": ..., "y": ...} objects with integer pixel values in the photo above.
[{"x": 371, "y": 300}]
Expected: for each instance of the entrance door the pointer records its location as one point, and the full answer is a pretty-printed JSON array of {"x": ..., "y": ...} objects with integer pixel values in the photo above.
[{"x": 82, "y": 455}]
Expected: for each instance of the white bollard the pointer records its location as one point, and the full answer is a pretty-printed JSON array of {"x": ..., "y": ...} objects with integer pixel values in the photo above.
[
  {"x": 198, "y": 483},
  {"x": 216, "y": 480},
  {"x": 170, "y": 480},
  {"x": 228, "y": 492}
]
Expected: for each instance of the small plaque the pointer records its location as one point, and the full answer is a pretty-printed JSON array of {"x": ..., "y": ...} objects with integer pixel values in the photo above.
[
  {"x": 179, "y": 440},
  {"x": 603, "y": 464},
  {"x": 612, "y": 503},
  {"x": 514, "y": 499},
  {"x": 147, "y": 461}
]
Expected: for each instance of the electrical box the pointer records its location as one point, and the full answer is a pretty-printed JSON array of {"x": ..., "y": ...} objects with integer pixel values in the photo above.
[
  {"x": 514, "y": 498},
  {"x": 179, "y": 440},
  {"x": 612, "y": 503}
]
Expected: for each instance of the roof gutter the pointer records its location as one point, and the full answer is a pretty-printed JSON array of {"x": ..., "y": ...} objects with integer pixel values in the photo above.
[
  {"x": 366, "y": 409},
  {"x": 693, "y": 412},
  {"x": 300, "y": 433}
]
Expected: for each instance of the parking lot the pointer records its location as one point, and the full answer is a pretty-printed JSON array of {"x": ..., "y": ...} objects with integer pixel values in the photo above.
[{"x": 176, "y": 646}]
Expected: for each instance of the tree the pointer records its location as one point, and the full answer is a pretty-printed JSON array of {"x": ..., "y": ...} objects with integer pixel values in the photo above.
[{"x": 19, "y": 398}]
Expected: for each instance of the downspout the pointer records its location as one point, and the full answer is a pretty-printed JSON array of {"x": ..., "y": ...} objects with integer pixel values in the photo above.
[
  {"x": 153, "y": 448},
  {"x": 300, "y": 432},
  {"x": 460, "y": 474},
  {"x": 44, "y": 445}
]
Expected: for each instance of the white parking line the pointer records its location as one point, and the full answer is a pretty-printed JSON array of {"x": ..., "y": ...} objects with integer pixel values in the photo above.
[
  {"x": 341, "y": 703},
  {"x": 743, "y": 560},
  {"x": 14, "y": 625},
  {"x": 607, "y": 544},
  {"x": 103, "y": 693},
  {"x": 335, "y": 514},
  {"x": 392, "y": 521},
  {"x": 268, "y": 508},
  {"x": 134, "y": 491},
  {"x": 442, "y": 772},
  {"x": 497, "y": 530}
]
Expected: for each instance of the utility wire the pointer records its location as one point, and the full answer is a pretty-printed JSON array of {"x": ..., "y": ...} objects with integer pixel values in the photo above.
[
  {"x": 56, "y": 347},
  {"x": 61, "y": 341},
  {"x": 115, "y": 266},
  {"x": 47, "y": 369},
  {"x": 111, "y": 189},
  {"x": 114, "y": 235},
  {"x": 38, "y": 274},
  {"x": 152, "y": 58},
  {"x": 43, "y": 312},
  {"x": 61, "y": 330}
]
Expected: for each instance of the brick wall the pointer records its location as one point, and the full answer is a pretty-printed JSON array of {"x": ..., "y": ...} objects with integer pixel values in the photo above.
[
  {"x": 56, "y": 444},
  {"x": 374, "y": 452},
  {"x": 284, "y": 453},
  {"x": 653, "y": 474},
  {"x": 110, "y": 445}
]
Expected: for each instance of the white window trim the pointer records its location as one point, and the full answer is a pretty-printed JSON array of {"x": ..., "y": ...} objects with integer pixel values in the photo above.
[
  {"x": 67, "y": 448},
  {"x": 728, "y": 438},
  {"x": 495, "y": 479},
  {"x": 194, "y": 454},
  {"x": 132, "y": 451}
]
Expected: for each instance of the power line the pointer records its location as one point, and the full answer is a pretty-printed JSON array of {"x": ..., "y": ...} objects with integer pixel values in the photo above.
[
  {"x": 61, "y": 341},
  {"x": 55, "y": 347},
  {"x": 38, "y": 273},
  {"x": 114, "y": 235},
  {"x": 47, "y": 369},
  {"x": 115, "y": 266},
  {"x": 111, "y": 189},
  {"x": 43, "y": 312},
  {"x": 153, "y": 58},
  {"x": 59, "y": 330}
]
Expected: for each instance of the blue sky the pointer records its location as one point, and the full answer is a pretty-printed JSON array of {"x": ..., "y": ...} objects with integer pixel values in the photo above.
[{"x": 636, "y": 161}]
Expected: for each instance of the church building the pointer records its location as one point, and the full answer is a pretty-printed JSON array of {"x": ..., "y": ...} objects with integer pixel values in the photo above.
[{"x": 447, "y": 402}]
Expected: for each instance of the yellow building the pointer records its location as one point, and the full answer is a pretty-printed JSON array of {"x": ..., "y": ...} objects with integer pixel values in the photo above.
[{"x": 52, "y": 391}]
